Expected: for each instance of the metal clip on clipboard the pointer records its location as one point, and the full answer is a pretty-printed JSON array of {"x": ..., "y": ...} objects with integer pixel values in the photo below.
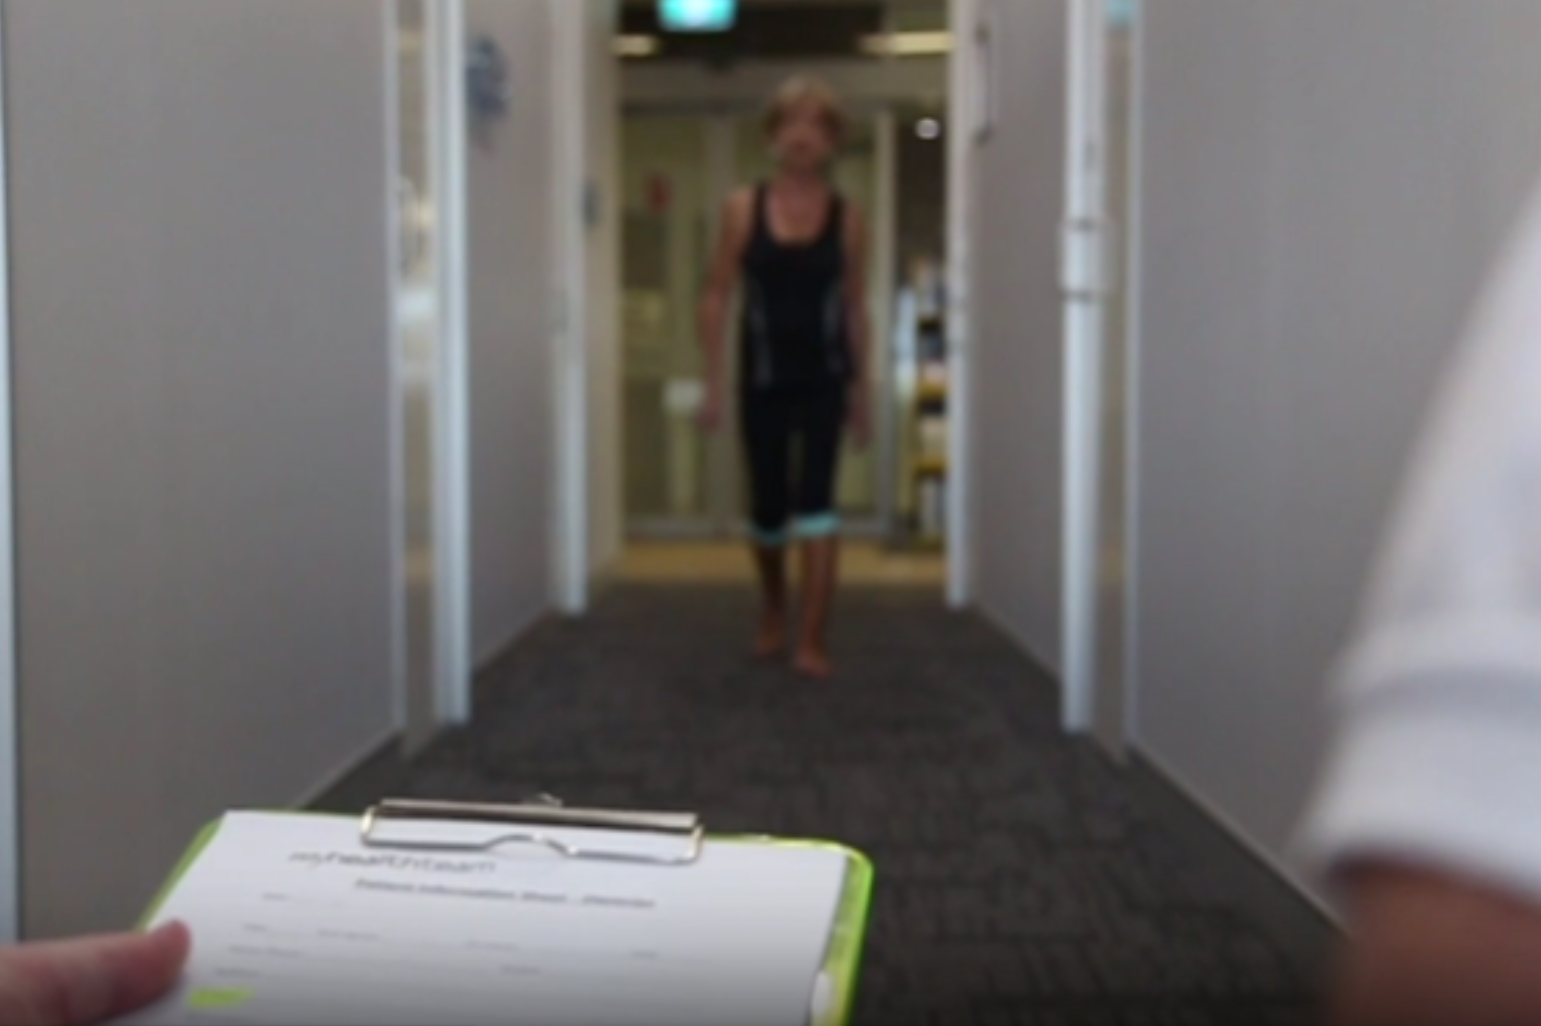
[{"x": 531, "y": 824}]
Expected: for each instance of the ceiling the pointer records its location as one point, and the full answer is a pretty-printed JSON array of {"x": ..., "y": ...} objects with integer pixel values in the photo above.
[{"x": 780, "y": 30}]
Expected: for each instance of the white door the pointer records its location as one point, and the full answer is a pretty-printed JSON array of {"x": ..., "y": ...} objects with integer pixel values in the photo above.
[
  {"x": 432, "y": 490},
  {"x": 1114, "y": 684}
]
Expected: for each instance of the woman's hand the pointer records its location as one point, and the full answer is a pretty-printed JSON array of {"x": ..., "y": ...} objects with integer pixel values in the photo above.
[{"x": 91, "y": 980}]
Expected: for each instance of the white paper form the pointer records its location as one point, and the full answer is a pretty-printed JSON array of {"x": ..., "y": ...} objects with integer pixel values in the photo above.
[{"x": 297, "y": 923}]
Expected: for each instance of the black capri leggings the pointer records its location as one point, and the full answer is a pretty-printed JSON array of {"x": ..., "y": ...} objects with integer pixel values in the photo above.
[{"x": 781, "y": 423}]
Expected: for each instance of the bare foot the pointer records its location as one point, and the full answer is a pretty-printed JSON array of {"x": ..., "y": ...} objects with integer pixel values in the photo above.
[
  {"x": 772, "y": 641},
  {"x": 810, "y": 662}
]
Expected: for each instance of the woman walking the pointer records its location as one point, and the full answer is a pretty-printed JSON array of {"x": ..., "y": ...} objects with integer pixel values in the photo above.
[{"x": 796, "y": 251}]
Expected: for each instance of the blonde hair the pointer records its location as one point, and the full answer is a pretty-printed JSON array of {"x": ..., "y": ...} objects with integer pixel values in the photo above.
[{"x": 799, "y": 90}]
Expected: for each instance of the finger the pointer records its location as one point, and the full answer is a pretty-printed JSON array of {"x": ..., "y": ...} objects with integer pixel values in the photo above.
[{"x": 100, "y": 978}]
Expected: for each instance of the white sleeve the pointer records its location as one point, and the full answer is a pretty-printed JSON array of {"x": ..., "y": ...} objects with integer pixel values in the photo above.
[{"x": 1437, "y": 704}]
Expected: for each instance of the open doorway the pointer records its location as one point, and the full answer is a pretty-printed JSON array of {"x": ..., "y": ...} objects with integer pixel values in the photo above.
[{"x": 691, "y": 131}]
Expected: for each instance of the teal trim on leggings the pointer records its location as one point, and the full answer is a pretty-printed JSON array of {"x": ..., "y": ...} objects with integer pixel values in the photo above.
[
  {"x": 825, "y": 525},
  {"x": 769, "y": 539}
]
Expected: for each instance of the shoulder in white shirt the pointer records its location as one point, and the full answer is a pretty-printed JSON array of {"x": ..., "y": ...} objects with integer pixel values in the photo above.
[{"x": 1437, "y": 762}]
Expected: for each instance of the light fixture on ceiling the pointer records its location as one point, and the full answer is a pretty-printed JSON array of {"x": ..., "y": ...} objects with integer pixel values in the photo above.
[
  {"x": 697, "y": 15},
  {"x": 929, "y": 129},
  {"x": 637, "y": 46},
  {"x": 908, "y": 44}
]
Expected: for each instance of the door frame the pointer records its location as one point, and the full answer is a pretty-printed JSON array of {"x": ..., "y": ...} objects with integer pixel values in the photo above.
[
  {"x": 1089, "y": 281},
  {"x": 1118, "y": 71},
  {"x": 968, "y": 76},
  {"x": 400, "y": 521},
  {"x": 571, "y": 198},
  {"x": 10, "y": 732},
  {"x": 882, "y": 271},
  {"x": 1083, "y": 286},
  {"x": 972, "y": 110},
  {"x": 1132, "y": 240},
  {"x": 452, "y": 420},
  {"x": 443, "y": 49}
]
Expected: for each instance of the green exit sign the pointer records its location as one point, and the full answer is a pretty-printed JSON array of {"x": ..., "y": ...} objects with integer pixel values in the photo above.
[{"x": 697, "y": 15}]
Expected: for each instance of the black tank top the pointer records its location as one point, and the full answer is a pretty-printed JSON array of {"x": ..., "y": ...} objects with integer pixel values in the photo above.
[{"x": 794, "y": 331}]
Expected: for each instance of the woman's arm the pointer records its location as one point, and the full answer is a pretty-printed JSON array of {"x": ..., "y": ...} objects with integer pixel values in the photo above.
[
  {"x": 1425, "y": 824},
  {"x": 859, "y": 320},
  {"x": 722, "y": 279}
]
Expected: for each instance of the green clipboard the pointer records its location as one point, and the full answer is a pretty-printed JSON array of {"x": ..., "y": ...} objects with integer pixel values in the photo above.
[{"x": 847, "y": 941}]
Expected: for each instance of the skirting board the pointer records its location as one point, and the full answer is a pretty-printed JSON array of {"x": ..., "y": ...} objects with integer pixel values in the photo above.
[
  {"x": 607, "y": 576},
  {"x": 1268, "y": 860},
  {"x": 380, "y": 760},
  {"x": 494, "y": 653},
  {"x": 994, "y": 619},
  {"x": 1168, "y": 775}
]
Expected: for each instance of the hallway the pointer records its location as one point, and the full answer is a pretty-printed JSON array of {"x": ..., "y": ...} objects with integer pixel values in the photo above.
[{"x": 1020, "y": 877}]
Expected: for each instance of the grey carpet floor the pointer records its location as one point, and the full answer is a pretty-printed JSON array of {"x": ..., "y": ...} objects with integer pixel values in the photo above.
[{"x": 1021, "y": 877}]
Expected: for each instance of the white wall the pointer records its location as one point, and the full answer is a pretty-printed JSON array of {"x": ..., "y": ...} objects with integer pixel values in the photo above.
[
  {"x": 202, "y": 356},
  {"x": 510, "y": 318},
  {"x": 1015, "y": 331},
  {"x": 1326, "y": 184}
]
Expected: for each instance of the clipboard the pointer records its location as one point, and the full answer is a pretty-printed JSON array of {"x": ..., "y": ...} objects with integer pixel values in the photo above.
[{"x": 528, "y": 823}]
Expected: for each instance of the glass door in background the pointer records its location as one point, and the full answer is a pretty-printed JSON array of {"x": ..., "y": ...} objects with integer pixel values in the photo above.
[{"x": 671, "y": 191}]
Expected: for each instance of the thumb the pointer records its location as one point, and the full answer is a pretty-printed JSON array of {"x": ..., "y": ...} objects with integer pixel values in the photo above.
[{"x": 92, "y": 980}]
